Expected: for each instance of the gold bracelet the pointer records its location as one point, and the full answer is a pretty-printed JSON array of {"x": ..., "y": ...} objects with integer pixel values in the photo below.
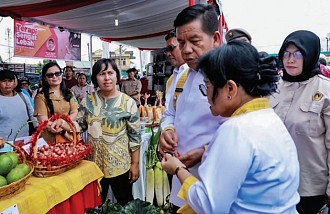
[{"x": 168, "y": 128}]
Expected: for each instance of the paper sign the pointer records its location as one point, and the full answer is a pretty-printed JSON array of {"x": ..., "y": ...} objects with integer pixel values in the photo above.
[
  {"x": 40, "y": 143},
  {"x": 26, "y": 139},
  {"x": 11, "y": 210},
  {"x": 7, "y": 148}
]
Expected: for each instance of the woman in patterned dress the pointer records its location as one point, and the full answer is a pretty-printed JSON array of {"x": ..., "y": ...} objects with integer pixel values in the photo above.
[{"x": 112, "y": 122}]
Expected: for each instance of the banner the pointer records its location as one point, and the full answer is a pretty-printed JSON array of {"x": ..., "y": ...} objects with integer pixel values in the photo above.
[{"x": 34, "y": 40}]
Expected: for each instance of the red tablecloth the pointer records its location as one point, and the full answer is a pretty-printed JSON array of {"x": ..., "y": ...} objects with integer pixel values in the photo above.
[{"x": 87, "y": 198}]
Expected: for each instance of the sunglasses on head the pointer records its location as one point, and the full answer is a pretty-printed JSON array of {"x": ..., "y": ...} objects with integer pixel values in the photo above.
[
  {"x": 296, "y": 55},
  {"x": 170, "y": 48},
  {"x": 51, "y": 75}
]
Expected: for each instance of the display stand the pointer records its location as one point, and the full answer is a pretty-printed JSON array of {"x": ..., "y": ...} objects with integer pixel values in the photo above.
[{"x": 73, "y": 191}]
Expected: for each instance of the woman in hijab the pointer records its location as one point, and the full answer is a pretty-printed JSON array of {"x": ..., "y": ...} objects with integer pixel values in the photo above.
[{"x": 304, "y": 106}]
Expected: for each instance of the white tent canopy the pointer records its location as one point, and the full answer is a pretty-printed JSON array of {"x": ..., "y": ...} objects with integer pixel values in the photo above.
[{"x": 142, "y": 23}]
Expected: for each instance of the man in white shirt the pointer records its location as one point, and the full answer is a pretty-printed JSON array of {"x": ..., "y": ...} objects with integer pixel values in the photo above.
[
  {"x": 173, "y": 53},
  {"x": 188, "y": 129}
]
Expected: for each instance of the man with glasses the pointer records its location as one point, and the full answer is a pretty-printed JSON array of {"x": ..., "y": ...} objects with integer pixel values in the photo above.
[
  {"x": 176, "y": 81},
  {"x": 191, "y": 127},
  {"x": 25, "y": 84}
]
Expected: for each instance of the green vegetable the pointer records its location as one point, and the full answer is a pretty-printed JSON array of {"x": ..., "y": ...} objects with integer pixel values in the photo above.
[
  {"x": 133, "y": 207},
  {"x": 107, "y": 207},
  {"x": 139, "y": 207}
]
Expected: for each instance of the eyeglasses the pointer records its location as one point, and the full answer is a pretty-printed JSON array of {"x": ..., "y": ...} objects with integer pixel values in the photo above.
[
  {"x": 203, "y": 89},
  {"x": 296, "y": 55},
  {"x": 24, "y": 83},
  {"x": 170, "y": 48},
  {"x": 51, "y": 75}
]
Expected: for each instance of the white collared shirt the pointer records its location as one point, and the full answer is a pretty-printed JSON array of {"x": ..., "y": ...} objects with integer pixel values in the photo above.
[
  {"x": 193, "y": 123},
  {"x": 177, "y": 73}
]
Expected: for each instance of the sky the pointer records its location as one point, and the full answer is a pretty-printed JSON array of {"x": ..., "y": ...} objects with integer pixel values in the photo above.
[{"x": 268, "y": 22}]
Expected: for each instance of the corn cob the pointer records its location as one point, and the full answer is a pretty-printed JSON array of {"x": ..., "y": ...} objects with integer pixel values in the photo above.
[
  {"x": 166, "y": 187},
  {"x": 159, "y": 184},
  {"x": 150, "y": 185},
  {"x": 151, "y": 161}
]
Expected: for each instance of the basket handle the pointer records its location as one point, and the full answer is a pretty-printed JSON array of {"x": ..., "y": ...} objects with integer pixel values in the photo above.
[
  {"x": 20, "y": 128},
  {"x": 43, "y": 125},
  {"x": 19, "y": 149}
]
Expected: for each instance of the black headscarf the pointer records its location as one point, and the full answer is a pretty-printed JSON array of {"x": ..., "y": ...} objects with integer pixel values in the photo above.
[{"x": 308, "y": 44}]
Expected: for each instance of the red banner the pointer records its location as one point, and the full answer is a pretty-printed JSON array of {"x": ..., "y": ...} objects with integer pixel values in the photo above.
[{"x": 34, "y": 40}]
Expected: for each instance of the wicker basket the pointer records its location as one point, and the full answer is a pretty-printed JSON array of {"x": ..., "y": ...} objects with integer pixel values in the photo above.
[
  {"x": 17, "y": 186},
  {"x": 51, "y": 166},
  {"x": 41, "y": 171}
]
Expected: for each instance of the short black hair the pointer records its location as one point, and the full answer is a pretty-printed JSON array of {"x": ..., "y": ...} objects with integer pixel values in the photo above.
[
  {"x": 131, "y": 70},
  {"x": 239, "y": 61},
  {"x": 7, "y": 74},
  {"x": 171, "y": 34},
  {"x": 97, "y": 68},
  {"x": 70, "y": 67},
  {"x": 82, "y": 74},
  {"x": 204, "y": 12}
]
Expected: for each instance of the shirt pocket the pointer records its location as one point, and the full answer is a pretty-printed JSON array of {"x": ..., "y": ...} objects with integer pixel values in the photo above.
[
  {"x": 281, "y": 113},
  {"x": 134, "y": 85},
  {"x": 312, "y": 119}
]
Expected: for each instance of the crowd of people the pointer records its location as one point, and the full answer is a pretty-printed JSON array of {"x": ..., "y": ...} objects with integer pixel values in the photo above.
[
  {"x": 109, "y": 118},
  {"x": 242, "y": 131}
]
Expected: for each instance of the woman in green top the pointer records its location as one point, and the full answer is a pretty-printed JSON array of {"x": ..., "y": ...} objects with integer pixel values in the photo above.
[{"x": 112, "y": 122}]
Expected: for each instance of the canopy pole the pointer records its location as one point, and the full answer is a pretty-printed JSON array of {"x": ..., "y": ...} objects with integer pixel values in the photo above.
[
  {"x": 90, "y": 52},
  {"x": 141, "y": 62},
  {"x": 120, "y": 46}
]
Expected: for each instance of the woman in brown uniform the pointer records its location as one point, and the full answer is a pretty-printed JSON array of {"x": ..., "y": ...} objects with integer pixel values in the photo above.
[
  {"x": 303, "y": 103},
  {"x": 54, "y": 98}
]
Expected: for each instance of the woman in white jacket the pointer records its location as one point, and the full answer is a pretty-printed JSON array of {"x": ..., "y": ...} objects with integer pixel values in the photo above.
[{"x": 251, "y": 165}]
